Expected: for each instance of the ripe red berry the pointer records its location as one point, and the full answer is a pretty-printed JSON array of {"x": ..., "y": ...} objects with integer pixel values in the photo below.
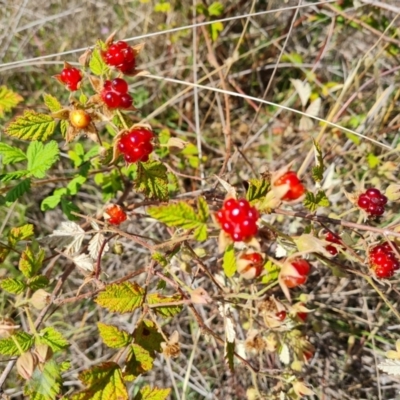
[
  {"x": 135, "y": 145},
  {"x": 296, "y": 188},
  {"x": 330, "y": 237},
  {"x": 71, "y": 77},
  {"x": 121, "y": 56},
  {"x": 302, "y": 267},
  {"x": 116, "y": 214},
  {"x": 373, "y": 202},
  {"x": 281, "y": 315},
  {"x": 250, "y": 264},
  {"x": 383, "y": 260},
  {"x": 238, "y": 219},
  {"x": 114, "y": 94}
]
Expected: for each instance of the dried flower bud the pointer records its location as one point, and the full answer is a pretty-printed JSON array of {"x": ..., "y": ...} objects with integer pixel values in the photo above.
[
  {"x": 172, "y": 349},
  {"x": 40, "y": 299},
  {"x": 7, "y": 327},
  {"x": 393, "y": 192},
  {"x": 26, "y": 364},
  {"x": 43, "y": 352},
  {"x": 250, "y": 264},
  {"x": 200, "y": 296}
]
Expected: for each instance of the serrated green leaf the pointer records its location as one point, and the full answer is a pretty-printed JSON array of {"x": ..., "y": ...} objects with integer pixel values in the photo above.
[
  {"x": 11, "y": 285},
  {"x": 63, "y": 128},
  {"x": 9, "y": 348},
  {"x": 216, "y": 28},
  {"x": 11, "y": 155},
  {"x": 96, "y": 64},
  {"x": 312, "y": 202},
  {"x": 121, "y": 297},
  {"x": 113, "y": 337},
  {"x": 31, "y": 126},
  {"x": 160, "y": 258},
  {"x": 38, "y": 282},
  {"x": 8, "y": 100},
  {"x": 52, "y": 338},
  {"x": 229, "y": 261},
  {"x": 147, "y": 393},
  {"x": 200, "y": 233},
  {"x": 20, "y": 233},
  {"x": 138, "y": 361},
  {"x": 373, "y": 160},
  {"x": 215, "y": 9},
  {"x": 258, "y": 189},
  {"x": 18, "y": 190},
  {"x": 152, "y": 180},
  {"x": 52, "y": 102},
  {"x": 76, "y": 183},
  {"x": 147, "y": 336},
  {"x": 11, "y": 176},
  {"x": 41, "y": 157},
  {"x": 104, "y": 382},
  {"x": 46, "y": 382},
  {"x": 68, "y": 207},
  {"x": 50, "y": 202},
  {"x": 272, "y": 272},
  {"x": 168, "y": 310},
  {"x": 31, "y": 261},
  {"x": 203, "y": 210}
]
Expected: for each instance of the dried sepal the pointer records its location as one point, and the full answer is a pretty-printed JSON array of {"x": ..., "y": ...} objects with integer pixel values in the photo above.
[
  {"x": 26, "y": 364},
  {"x": 85, "y": 57}
]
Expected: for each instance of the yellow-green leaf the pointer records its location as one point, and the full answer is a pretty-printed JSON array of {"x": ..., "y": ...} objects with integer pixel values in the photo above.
[
  {"x": 147, "y": 393},
  {"x": 138, "y": 361},
  {"x": 121, "y": 297},
  {"x": 104, "y": 382},
  {"x": 8, "y": 100},
  {"x": 152, "y": 180},
  {"x": 167, "y": 310},
  {"x": 258, "y": 189},
  {"x": 52, "y": 103},
  {"x": 11, "y": 285},
  {"x": 9, "y": 348},
  {"x": 21, "y": 233},
  {"x": 31, "y": 126},
  {"x": 96, "y": 64},
  {"x": 272, "y": 272},
  {"x": 113, "y": 337},
  {"x": 30, "y": 262},
  {"x": 52, "y": 338},
  {"x": 229, "y": 261},
  {"x": 11, "y": 154},
  {"x": 146, "y": 335}
]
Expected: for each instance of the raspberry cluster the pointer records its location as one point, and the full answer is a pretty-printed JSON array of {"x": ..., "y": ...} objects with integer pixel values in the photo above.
[
  {"x": 120, "y": 56},
  {"x": 135, "y": 145},
  {"x": 238, "y": 219},
  {"x": 116, "y": 213},
  {"x": 373, "y": 202},
  {"x": 296, "y": 188},
  {"x": 383, "y": 260},
  {"x": 115, "y": 94},
  {"x": 303, "y": 268},
  {"x": 330, "y": 237},
  {"x": 71, "y": 77}
]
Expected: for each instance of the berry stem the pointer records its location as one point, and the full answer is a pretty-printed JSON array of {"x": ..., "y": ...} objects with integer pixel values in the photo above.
[{"x": 122, "y": 119}]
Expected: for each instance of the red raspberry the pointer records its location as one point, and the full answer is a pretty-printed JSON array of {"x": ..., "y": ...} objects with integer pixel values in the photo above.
[
  {"x": 114, "y": 94},
  {"x": 281, "y": 315},
  {"x": 250, "y": 264},
  {"x": 238, "y": 219},
  {"x": 116, "y": 214},
  {"x": 383, "y": 260},
  {"x": 135, "y": 144},
  {"x": 373, "y": 202},
  {"x": 303, "y": 268},
  {"x": 330, "y": 237},
  {"x": 71, "y": 77},
  {"x": 121, "y": 56},
  {"x": 296, "y": 188}
]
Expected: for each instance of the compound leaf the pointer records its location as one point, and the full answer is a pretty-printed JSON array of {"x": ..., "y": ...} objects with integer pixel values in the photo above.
[
  {"x": 113, "y": 337},
  {"x": 152, "y": 180},
  {"x": 9, "y": 348},
  {"x": 11, "y": 155},
  {"x": 52, "y": 338},
  {"x": 11, "y": 285},
  {"x": 41, "y": 157},
  {"x": 169, "y": 310},
  {"x": 8, "y": 100}
]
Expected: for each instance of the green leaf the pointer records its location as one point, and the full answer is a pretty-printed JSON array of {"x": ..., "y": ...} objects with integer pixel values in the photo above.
[
  {"x": 216, "y": 28},
  {"x": 9, "y": 348},
  {"x": 272, "y": 272},
  {"x": 46, "y": 382},
  {"x": 38, "y": 282},
  {"x": 318, "y": 170},
  {"x": 202, "y": 207},
  {"x": 258, "y": 189},
  {"x": 138, "y": 361},
  {"x": 31, "y": 126},
  {"x": 152, "y": 180},
  {"x": 41, "y": 157},
  {"x": 113, "y": 337},
  {"x": 12, "y": 176},
  {"x": 68, "y": 207},
  {"x": 18, "y": 190},
  {"x": 76, "y": 183},
  {"x": 4, "y": 251},
  {"x": 163, "y": 7},
  {"x": 31, "y": 261},
  {"x": 373, "y": 160},
  {"x": 96, "y": 64},
  {"x": 104, "y": 382},
  {"x": 51, "y": 202},
  {"x": 52, "y": 102},
  {"x": 147, "y": 393},
  {"x": 168, "y": 310},
  {"x": 11, "y": 155},
  {"x": 8, "y": 100},
  {"x": 229, "y": 261},
  {"x": 312, "y": 202},
  {"x": 11, "y": 285},
  {"x": 17, "y": 234},
  {"x": 147, "y": 336},
  {"x": 121, "y": 297},
  {"x": 215, "y": 9},
  {"x": 52, "y": 338}
]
